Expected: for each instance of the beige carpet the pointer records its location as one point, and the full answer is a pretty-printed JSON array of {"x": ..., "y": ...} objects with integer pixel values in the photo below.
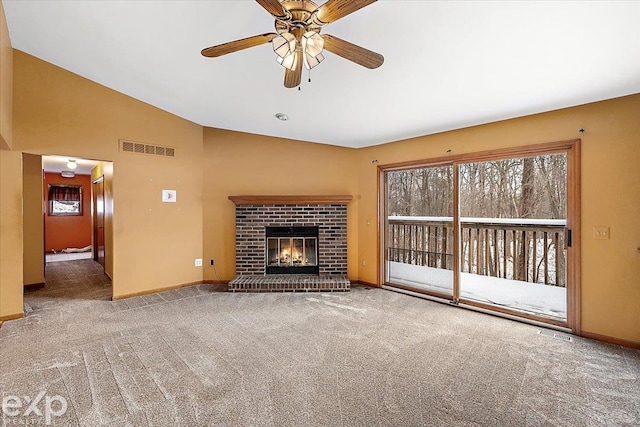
[{"x": 193, "y": 357}]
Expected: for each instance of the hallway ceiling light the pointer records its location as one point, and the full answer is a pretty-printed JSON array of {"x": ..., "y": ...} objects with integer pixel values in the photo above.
[{"x": 71, "y": 164}]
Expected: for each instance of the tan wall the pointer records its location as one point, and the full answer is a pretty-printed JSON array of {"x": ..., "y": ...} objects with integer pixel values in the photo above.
[
  {"x": 245, "y": 164},
  {"x": 6, "y": 83},
  {"x": 10, "y": 234},
  {"x": 154, "y": 243},
  {"x": 105, "y": 169},
  {"x": 610, "y": 197},
  {"x": 32, "y": 220},
  {"x": 10, "y": 189}
]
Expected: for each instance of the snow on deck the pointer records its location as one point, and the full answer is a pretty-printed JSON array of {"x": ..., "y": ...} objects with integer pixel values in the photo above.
[
  {"x": 515, "y": 294},
  {"x": 507, "y": 221}
]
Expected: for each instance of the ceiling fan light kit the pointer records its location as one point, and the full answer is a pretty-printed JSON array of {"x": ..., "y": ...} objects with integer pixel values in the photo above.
[
  {"x": 298, "y": 42},
  {"x": 284, "y": 44},
  {"x": 312, "y": 61},
  {"x": 312, "y": 43},
  {"x": 288, "y": 61}
]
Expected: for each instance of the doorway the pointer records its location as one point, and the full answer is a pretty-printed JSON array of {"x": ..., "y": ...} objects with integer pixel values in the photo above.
[
  {"x": 81, "y": 202},
  {"x": 494, "y": 231}
]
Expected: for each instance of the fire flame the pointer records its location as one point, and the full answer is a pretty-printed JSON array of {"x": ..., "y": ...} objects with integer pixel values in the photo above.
[{"x": 286, "y": 256}]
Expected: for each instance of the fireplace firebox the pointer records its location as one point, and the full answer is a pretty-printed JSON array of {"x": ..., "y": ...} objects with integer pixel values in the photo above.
[{"x": 291, "y": 250}]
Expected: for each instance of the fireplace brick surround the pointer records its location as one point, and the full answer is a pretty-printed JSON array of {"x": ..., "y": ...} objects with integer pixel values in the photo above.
[{"x": 255, "y": 213}]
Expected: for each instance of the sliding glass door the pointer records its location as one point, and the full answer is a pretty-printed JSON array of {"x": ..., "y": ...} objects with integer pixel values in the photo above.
[
  {"x": 491, "y": 230},
  {"x": 419, "y": 232},
  {"x": 512, "y": 226}
]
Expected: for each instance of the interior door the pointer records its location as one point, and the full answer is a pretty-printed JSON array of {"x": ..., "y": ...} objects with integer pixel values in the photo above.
[
  {"x": 420, "y": 243},
  {"x": 98, "y": 221}
]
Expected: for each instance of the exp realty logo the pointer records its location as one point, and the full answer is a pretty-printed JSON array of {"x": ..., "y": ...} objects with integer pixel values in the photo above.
[{"x": 26, "y": 410}]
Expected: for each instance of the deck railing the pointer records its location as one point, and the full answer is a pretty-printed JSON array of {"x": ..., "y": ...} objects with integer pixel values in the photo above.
[{"x": 530, "y": 250}]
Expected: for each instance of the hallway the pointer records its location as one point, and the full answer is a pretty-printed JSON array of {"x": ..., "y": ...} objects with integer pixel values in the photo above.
[{"x": 68, "y": 281}]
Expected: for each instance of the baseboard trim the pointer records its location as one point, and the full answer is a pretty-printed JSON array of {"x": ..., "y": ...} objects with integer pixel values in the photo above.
[
  {"x": 215, "y": 282},
  {"x": 155, "y": 290},
  {"x": 34, "y": 286},
  {"x": 11, "y": 317},
  {"x": 611, "y": 340},
  {"x": 218, "y": 285},
  {"x": 363, "y": 283}
]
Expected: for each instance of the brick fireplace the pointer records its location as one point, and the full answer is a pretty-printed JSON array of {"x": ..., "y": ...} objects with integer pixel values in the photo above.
[{"x": 327, "y": 215}]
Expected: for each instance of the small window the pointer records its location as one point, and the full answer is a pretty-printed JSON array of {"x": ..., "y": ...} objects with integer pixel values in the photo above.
[{"x": 65, "y": 200}]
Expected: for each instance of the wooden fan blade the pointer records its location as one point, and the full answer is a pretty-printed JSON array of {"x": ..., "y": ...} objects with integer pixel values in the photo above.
[
  {"x": 352, "y": 52},
  {"x": 274, "y": 7},
  {"x": 292, "y": 78},
  {"x": 333, "y": 10},
  {"x": 230, "y": 47}
]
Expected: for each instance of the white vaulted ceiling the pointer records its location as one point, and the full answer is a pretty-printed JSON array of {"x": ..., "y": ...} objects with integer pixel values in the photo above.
[{"x": 447, "y": 64}]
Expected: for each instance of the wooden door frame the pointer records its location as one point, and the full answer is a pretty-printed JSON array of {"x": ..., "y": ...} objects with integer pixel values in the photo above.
[
  {"x": 572, "y": 150},
  {"x": 94, "y": 217}
]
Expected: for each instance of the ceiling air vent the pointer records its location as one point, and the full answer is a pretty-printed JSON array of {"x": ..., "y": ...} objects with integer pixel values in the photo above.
[{"x": 140, "y": 148}]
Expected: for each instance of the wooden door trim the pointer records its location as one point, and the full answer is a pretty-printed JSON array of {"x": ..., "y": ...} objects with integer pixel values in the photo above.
[
  {"x": 456, "y": 233},
  {"x": 94, "y": 217},
  {"x": 495, "y": 154},
  {"x": 574, "y": 253},
  {"x": 381, "y": 227}
]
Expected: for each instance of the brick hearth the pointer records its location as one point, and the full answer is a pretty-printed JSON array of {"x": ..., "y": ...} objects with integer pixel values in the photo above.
[
  {"x": 255, "y": 213},
  {"x": 289, "y": 283}
]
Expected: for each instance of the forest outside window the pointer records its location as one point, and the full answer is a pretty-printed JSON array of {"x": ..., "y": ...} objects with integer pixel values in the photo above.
[{"x": 65, "y": 200}]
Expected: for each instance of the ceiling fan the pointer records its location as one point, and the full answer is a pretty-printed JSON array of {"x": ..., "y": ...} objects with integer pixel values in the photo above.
[{"x": 297, "y": 41}]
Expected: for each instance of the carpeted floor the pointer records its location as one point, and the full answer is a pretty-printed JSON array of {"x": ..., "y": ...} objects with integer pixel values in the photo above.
[{"x": 192, "y": 357}]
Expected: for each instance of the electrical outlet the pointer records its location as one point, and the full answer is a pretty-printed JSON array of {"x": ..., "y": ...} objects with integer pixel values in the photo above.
[
  {"x": 212, "y": 262},
  {"x": 601, "y": 233},
  {"x": 364, "y": 263},
  {"x": 198, "y": 262}
]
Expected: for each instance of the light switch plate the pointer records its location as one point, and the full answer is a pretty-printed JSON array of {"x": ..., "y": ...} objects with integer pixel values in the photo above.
[
  {"x": 169, "y": 196},
  {"x": 601, "y": 233}
]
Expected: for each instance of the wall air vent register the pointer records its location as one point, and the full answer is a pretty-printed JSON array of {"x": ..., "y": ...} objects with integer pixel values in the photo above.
[{"x": 140, "y": 148}]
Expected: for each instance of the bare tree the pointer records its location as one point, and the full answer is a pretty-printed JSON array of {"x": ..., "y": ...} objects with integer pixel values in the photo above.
[{"x": 529, "y": 187}]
